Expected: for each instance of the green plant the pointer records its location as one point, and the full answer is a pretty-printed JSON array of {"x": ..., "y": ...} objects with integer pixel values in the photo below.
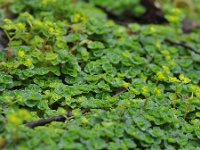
[{"x": 65, "y": 57}]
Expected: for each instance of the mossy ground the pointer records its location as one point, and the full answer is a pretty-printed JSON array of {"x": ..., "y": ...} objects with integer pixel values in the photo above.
[{"x": 107, "y": 84}]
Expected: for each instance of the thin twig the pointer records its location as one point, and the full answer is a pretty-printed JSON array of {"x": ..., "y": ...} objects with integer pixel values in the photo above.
[
  {"x": 183, "y": 45},
  {"x": 121, "y": 92},
  {"x": 60, "y": 118},
  {"x": 44, "y": 44}
]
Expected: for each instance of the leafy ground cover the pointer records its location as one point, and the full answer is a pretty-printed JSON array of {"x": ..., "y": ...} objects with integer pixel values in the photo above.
[{"x": 74, "y": 76}]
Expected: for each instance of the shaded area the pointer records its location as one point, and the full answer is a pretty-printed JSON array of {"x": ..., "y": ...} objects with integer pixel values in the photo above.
[
  {"x": 188, "y": 25},
  {"x": 3, "y": 40},
  {"x": 153, "y": 15}
]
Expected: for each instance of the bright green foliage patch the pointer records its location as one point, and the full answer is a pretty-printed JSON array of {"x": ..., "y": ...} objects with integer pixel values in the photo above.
[{"x": 141, "y": 92}]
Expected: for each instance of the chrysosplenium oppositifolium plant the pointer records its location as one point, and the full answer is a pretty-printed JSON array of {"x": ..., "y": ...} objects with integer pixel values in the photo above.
[{"x": 138, "y": 90}]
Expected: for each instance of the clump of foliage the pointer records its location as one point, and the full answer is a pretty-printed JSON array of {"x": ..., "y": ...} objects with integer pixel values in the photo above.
[
  {"x": 121, "y": 7},
  {"x": 139, "y": 91}
]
